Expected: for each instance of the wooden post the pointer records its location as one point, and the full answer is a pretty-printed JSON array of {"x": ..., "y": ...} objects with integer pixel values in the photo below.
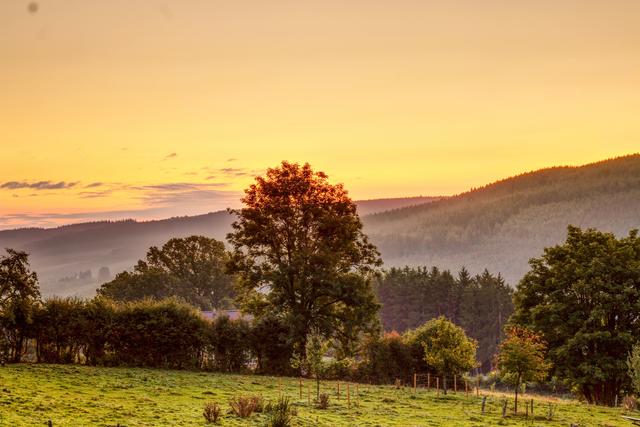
[
  {"x": 526, "y": 409},
  {"x": 300, "y": 387},
  {"x": 466, "y": 388},
  {"x": 504, "y": 408},
  {"x": 280, "y": 387},
  {"x": 438, "y": 386},
  {"x": 455, "y": 384},
  {"x": 428, "y": 381},
  {"x": 484, "y": 402},
  {"x": 357, "y": 395},
  {"x": 532, "y": 407},
  {"x": 478, "y": 386},
  {"x": 308, "y": 395},
  {"x": 338, "y": 390},
  {"x": 348, "y": 397},
  {"x": 415, "y": 381},
  {"x": 49, "y": 423}
]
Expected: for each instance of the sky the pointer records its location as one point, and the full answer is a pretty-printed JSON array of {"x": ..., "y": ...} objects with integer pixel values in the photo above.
[{"x": 149, "y": 109}]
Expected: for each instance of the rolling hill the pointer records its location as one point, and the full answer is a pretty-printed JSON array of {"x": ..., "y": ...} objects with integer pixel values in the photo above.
[
  {"x": 502, "y": 225},
  {"x": 68, "y": 259},
  {"x": 498, "y": 226}
]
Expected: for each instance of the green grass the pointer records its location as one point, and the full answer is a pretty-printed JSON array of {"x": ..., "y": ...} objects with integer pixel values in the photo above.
[{"x": 85, "y": 396}]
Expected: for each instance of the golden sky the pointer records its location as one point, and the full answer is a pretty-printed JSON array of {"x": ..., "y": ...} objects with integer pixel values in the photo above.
[{"x": 147, "y": 109}]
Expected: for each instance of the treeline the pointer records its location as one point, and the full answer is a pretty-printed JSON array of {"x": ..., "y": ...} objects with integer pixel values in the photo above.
[
  {"x": 172, "y": 334},
  {"x": 480, "y": 304},
  {"x": 161, "y": 334}
]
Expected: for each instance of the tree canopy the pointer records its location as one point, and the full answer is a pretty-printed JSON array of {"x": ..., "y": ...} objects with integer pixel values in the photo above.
[
  {"x": 19, "y": 292},
  {"x": 521, "y": 358},
  {"x": 192, "y": 268},
  {"x": 583, "y": 297},
  {"x": 300, "y": 252},
  {"x": 447, "y": 349}
]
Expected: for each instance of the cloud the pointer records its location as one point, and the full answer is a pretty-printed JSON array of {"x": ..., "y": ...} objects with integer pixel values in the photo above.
[
  {"x": 170, "y": 156},
  {"x": 39, "y": 185},
  {"x": 232, "y": 159},
  {"x": 94, "y": 185}
]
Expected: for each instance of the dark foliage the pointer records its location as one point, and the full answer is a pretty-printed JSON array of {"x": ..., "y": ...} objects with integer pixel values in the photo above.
[{"x": 480, "y": 304}]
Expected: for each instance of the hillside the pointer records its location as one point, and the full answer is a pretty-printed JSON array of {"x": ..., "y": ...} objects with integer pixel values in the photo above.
[
  {"x": 498, "y": 226},
  {"x": 68, "y": 259},
  {"x": 502, "y": 225}
]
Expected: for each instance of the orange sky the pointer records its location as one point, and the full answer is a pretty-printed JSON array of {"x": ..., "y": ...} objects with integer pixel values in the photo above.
[{"x": 147, "y": 109}]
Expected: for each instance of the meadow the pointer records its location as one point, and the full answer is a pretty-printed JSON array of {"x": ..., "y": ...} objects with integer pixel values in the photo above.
[{"x": 71, "y": 395}]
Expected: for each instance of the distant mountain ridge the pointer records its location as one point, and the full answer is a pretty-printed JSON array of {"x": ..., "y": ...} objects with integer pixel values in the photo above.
[
  {"x": 503, "y": 224},
  {"x": 62, "y": 256},
  {"x": 498, "y": 226}
]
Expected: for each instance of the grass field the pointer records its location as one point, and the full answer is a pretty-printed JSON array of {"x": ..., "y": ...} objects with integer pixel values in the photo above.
[{"x": 30, "y": 395}]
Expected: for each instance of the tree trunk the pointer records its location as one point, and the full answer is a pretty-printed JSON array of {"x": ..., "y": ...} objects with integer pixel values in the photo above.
[{"x": 515, "y": 408}]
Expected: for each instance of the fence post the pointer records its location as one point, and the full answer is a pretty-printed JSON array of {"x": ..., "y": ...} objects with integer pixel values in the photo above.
[
  {"x": 478, "y": 386},
  {"x": 466, "y": 388},
  {"x": 308, "y": 395},
  {"x": 484, "y": 402},
  {"x": 532, "y": 407},
  {"x": 455, "y": 384},
  {"x": 428, "y": 381},
  {"x": 338, "y": 390},
  {"x": 526, "y": 409},
  {"x": 348, "y": 397},
  {"x": 300, "y": 387},
  {"x": 415, "y": 380},
  {"x": 438, "y": 386},
  {"x": 49, "y": 423},
  {"x": 504, "y": 408},
  {"x": 357, "y": 395}
]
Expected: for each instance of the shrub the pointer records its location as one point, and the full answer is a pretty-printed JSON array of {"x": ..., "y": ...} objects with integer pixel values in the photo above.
[
  {"x": 245, "y": 406},
  {"x": 323, "y": 401},
  {"x": 385, "y": 359},
  {"x": 212, "y": 412},
  {"x": 629, "y": 403},
  {"x": 280, "y": 413},
  {"x": 229, "y": 344}
]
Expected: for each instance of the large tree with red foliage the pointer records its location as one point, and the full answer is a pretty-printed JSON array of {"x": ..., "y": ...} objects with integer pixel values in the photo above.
[{"x": 300, "y": 253}]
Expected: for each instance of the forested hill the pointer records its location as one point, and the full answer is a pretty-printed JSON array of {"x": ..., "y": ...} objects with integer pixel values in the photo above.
[
  {"x": 502, "y": 225},
  {"x": 74, "y": 259}
]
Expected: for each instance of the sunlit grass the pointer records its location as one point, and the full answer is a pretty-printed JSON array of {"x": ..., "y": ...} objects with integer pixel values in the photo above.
[{"x": 68, "y": 395}]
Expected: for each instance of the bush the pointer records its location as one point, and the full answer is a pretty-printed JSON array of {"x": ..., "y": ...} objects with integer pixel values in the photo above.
[
  {"x": 385, "y": 359},
  {"x": 323, "y": 401},
  {"x": 162, "y": 334},
  {"x": 229, "y": 344},
  {"x": 245, "y": 406},
  {"x": 280, "y": 414},
  {"x": 212, "y": 412}
]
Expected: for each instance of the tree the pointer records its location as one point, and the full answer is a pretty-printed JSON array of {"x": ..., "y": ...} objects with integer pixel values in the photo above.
[
  {"x": 521, "y": 358},
  {"x": 192, "y": 268},
  {"x": 312, "y": 360},
  {"x": 447, "y": 349},
  {"x": 300, "y": 253},
  {"x": 19, "y": 292},
  {"x": 633, "y": 365},
  {"x": 583, "y": 296}
]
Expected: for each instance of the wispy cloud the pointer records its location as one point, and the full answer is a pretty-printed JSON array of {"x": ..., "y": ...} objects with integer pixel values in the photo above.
[
  {"x": 38, "y": 185},
  {"x": 94, "y": 185},
  {"x": 170, "y": 156}
]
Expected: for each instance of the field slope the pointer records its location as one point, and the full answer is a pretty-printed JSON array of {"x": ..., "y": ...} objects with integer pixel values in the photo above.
[{"x": 30, "y": 395}]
